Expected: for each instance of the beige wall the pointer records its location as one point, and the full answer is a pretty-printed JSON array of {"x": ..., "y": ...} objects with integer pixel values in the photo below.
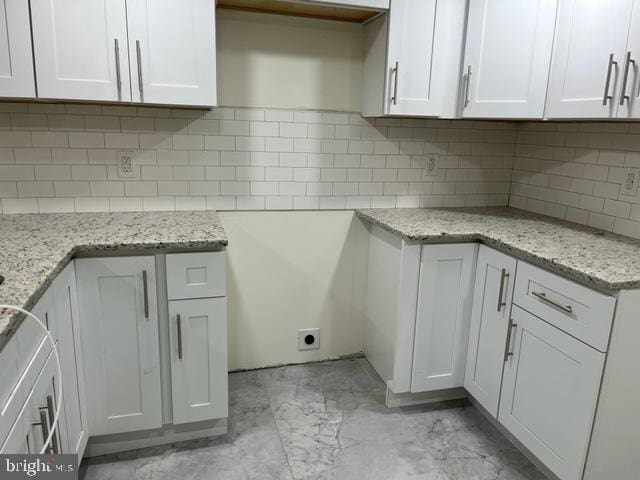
[
  {"x": 288, "y": 62},
  {"x": 293, "y": 270}
]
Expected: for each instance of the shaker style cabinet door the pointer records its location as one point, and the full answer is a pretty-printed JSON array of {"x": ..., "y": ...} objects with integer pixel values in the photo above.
[
  {"x": 410, "y": 58},
  {"x": 16, "y": 54},
  {"x": 172, "y": 47},
  {"x": 118, "y": 307},
  {"x": 80, "y": 49},
  {"x": 549, "y": 393},
  {"x": 492, "y": 297},
  {"x": 629, "y": 103},
  {"x": 198, "y": 359},
  {"x": 588, "y": 57},
  {"x": 507, "y": 56},
  {"x": 445, "y": 297}
]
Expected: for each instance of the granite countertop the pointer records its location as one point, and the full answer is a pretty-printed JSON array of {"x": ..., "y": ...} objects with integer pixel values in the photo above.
[
  {"x": 35, "y": 248},
  {"x": 591, "y": 256}
]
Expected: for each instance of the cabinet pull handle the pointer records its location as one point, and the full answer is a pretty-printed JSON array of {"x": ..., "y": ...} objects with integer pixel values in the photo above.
[
  {"x": 503, "y": 276},
  {"x": 607, "y": 83},
  {"x": 466, "y": 86},
  {"x": 568, "y": 309},
  {"x": 44, "y": 425},
  {"x": 179, "y": 325},
  {"x": 625, "y": 76},
  {"x": 52, "y": 414},
  {"x": 507, "y": 352},
  {"x": 145, "y": 294},
  {"x": 395, "y": 70},
  {"x": 139, "y": 57},
  {"x": 118, "y": 74}
]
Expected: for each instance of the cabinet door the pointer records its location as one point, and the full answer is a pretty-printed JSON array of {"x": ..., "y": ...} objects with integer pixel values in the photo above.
[
  {"x": 590, "y": 36},
  {"x": 507, "y": 57},
  {"x": 43, "y": 403},
  {"x": 445, "y": 298},
  {"x": 73, "y": 388},
  {"x": 118, "y": 307},
  {"x": 492, "y": 297},
  {"x": 198, "y": 359},
  {"x": 410, "y": 55},
  {"x": 16, "y": 54},
  {"x": 173, "y": 51},
  {"x": 629, "y": 103},
  {"x": 80, "y": 49},
  {"x": 20, "y": 438},
  {"x": 549, "y": 394}
]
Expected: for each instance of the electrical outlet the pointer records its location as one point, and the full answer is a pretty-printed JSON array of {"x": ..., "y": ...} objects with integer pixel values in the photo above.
[
  {"x": 630, "y": 182},
  {"x": 309, "y": 339},
  {"x": 431, "y": 165},
  {"x": 126, "y": 168}
]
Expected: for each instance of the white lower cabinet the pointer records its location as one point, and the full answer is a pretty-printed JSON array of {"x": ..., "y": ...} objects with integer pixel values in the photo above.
[
  {"x": 198, "y": 359},
  {"x": 549, "y": 394},
  {"x": 118, "y": 307},
  {"x": 495, "y": 275},
  {"x": 445, "y": 297}
]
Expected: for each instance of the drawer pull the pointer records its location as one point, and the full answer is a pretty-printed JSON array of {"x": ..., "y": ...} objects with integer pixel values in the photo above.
[
  {"x": 543, "y": 297},
  {"x": 508, "y": 353},
  {"x": 44, "y": 425},
  {"x": 503, "y": 276},
  {"x": 606, "y": 97},
  {"x": 51, "y": 410}
]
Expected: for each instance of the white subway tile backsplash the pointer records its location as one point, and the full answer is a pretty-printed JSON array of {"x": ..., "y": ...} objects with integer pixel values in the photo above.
[{"x": 230, "y": 158}]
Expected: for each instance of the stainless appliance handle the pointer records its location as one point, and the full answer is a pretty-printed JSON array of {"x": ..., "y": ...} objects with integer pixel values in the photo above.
[
  {"x": 568, "y": 309},
  {"x": 145, "y": 293},
  {"x": 179, "y": 326},
  {"x": 503, "y": 276},
  {"x": 625, "y": 76},
  {"x": 118, "y": 74},
  {"x": 507, "y": 352},
  {"x": 607, "y": 83},
  {"x": 139, "y": 57}
]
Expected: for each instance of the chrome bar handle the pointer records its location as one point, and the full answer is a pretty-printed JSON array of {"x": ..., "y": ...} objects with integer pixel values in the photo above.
[
  {"x": 139, "y": 56},
  {"x": 507, "y": 348},
  {"x": 607, "y": 83},
  {"x": 44, "y": 425},
  {"x": 179, "y": 325},
  {"x": 394, "y": 99},
  {"x": 466, "y": 87},
  {"x": 51, "y": 410},
  {"x": 145, "y": 294},
  {"x": 118, "y": 74},
  {"x": 625, "y": 76},
  {"x": 503, "y": 276},
  {"x": 568, "y": 309}
]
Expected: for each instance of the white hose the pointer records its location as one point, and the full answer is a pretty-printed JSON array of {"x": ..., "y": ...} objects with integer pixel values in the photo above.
[{"x": 54, "y": 425}]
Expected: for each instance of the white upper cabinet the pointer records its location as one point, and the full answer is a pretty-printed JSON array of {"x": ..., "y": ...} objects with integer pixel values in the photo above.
[
  {"x": 412, "y": 59},
  {"x": 445, "y": 298},
  {"x": 507, "y": 56},
  {"x": 588, "y": 59},
  {"x": 80, "y": 49},
  {"x": 492, "y": 298},
  {"x": 629, "y": 103},
  {"x": 172, "y": 51},
  {"x": 16, "y": 55}
]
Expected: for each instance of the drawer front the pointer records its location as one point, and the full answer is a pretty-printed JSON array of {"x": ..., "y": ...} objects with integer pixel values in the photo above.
[
  {"x": 196, "y": 275},
  {"x": 580, "y": 311}
]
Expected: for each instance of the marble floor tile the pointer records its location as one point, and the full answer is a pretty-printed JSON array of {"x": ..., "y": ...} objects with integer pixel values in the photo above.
[{"x": 327, "y": 421}]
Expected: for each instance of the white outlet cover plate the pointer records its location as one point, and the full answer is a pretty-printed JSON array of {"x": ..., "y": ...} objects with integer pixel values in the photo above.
[
  {"x": 122, "y": 156},
  {"x": 431, "y": 165},
  {"x": 630, "y": 182},
  {"x": 308, "y": 331}
]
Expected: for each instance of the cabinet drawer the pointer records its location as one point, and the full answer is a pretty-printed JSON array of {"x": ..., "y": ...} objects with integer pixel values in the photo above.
[
  {"x": 580, "y": 311},
  {"x": 196, "y": 275}
]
